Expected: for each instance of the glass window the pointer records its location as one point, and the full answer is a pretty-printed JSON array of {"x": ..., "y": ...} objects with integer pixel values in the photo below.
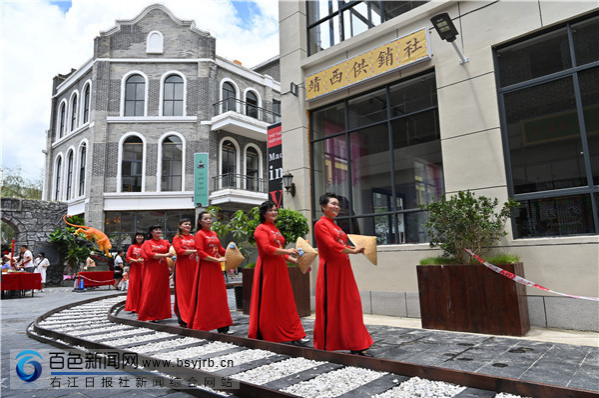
[
  {"x": 586, "y": 41},
  {"x": 131, "y": 166},
  {"x": 251, "y": 104},
  {"x": 229, "y": 165},
  {"x": 536, "y": 57},
  {"x": 332, "y": 21},
  {"x": 82, "y": 164},
  {"x": 229, "y": 96},
  {"x": 381, "y": 189},
  {"x": 173, "y": 96},
  {"x": 69, "y": 174},
  {"x": 57, "y": 178},
  {"x": 135, "y": 92},
  {"x": 62, "y": 121},
  {"x": 172, "y": 163},
  {"x": 86, "y": 101},
  {"x": 74, "y": 113},
  {"x": 550, "y": 126},
  {"x": 252, "y": 162}
]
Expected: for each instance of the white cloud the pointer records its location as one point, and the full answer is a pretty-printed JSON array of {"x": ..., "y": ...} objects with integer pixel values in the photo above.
[{"x": 40, "y": 42}]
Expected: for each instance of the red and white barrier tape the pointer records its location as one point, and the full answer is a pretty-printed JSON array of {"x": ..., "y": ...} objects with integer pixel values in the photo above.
[
  {"x": 91, "y": 280},
  {"x": 523, "y": 281}
]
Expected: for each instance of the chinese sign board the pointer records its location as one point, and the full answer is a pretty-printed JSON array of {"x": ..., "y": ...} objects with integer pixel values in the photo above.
[
  {"x": 201, "y": 179},
  {"x": 275, "y": 164},
  {"x": 397, "y": 54}
]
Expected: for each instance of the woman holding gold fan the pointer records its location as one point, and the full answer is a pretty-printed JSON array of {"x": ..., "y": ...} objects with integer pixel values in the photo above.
[
  {"x": 273, "y": 313},
  {"x": 209, "y": 304},
  {"x": 339, "y": 323}
]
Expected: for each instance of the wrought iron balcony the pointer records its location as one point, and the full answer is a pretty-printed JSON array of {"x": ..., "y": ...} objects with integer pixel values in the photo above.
[
  {"x": 239, "y": 181},
  {"x": 246, "y": 108}
]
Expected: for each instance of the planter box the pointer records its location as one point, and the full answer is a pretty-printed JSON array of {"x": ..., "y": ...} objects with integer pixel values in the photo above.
[
  {"x": 472, "y": 298},
  {"x": 300, "y": 283}
]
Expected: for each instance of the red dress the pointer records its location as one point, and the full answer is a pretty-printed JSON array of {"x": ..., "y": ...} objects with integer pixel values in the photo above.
[
  {"x": 273, "y": 313},
  {"x": 155, "y": 298},
  {"x": 185, "y": 270},
  {"x": 339, "y": 323},
  {"x": 209, "y": 301},
  {"x": 135, "y": 273}
]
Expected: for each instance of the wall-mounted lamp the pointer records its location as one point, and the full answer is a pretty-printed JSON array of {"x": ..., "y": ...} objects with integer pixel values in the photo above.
[
  {"x": 447, "y": 31},
  {"x": 288, "y": 183},
  {"x": 293, "y": 88}
]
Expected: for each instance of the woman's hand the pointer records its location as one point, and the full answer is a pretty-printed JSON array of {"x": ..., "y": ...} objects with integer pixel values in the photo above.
[
  {"x": 221, "y": 259},
  {"x": 292, "y": 260},
  {"x": 292, "y": 251},
  {"x": 354, "y": 250}
]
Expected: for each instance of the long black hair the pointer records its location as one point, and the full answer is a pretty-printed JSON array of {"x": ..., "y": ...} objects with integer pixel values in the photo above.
[{"x": 264, "y": 207}]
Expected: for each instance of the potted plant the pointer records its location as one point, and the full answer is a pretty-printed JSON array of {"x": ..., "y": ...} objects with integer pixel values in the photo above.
[
  {"x": 292, "y": 225},
  {"x": 458, "y": 293}
]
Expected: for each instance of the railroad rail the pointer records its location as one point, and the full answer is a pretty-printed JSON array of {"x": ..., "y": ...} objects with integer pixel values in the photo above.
[{"x": 261, "y": 369}]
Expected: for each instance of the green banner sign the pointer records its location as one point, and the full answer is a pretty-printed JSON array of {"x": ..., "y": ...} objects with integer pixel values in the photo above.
[{"x": 201, "y": 179}]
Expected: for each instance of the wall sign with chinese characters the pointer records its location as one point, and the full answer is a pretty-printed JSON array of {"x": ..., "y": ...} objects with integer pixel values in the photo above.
[{"x": 399, "y": 53}]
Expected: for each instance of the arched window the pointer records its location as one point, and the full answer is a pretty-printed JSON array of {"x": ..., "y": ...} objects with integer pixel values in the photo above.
[
  {"x": 62, "y": 120},
  {"x": 69, "y": 175},
  {"x": 57, "y": 179},
  {"x": 251, "y": 104},
  {"x": 135, "y": 91},
  {"x": 252, "y": 169},
  {"x": 131, "y": 165},
  {"x": 155, "y": 43},
  {"x": 229, "y": 164},
  {"x": 228, "y": 97},
  {"x": 86, "y": 99},
  {"x": 82, "y": 164},
  {"x": 173, "y": 96},
  {"x": 172, "y": 163},
  {"x": 74, "y": 113}
]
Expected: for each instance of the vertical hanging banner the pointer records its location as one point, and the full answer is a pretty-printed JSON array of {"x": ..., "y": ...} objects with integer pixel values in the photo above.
[
  {"x": 275, "y": 163},
  {"x": 201, "y": 181}
]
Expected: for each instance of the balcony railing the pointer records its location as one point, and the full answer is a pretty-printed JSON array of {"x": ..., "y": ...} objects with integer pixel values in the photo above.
[
  {"x": 238, "y": 181},
  {"x": 245, "y": 108}
]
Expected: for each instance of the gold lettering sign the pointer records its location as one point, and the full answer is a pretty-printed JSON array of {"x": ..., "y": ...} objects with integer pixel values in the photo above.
[{"x": 399, "y": 53}]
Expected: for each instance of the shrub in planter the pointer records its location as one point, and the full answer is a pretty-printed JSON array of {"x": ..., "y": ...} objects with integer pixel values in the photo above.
[{"x": 466, "y": 221}]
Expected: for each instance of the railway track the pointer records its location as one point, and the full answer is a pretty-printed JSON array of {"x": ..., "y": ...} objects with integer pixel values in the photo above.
[{"x": 260, "y": 369}]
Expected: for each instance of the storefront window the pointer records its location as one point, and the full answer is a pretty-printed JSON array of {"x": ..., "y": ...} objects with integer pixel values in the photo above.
[
  {"x": 381, "y": 189},
  {"x": 550, "y": 123}
]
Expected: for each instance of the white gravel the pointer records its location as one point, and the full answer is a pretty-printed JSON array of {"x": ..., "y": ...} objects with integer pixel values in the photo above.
[
  {"x": 506, "y": 395},
  {"x": 161, "y": 345},
  {"x": 146, "y": 337},
  {"x": 421, "y": 388},
  {"x": 277, "y": 370},
  {"x": 236, "y": 359},
  {"x": 335, "y": 383},
  {"x": 194, "y": 352}
]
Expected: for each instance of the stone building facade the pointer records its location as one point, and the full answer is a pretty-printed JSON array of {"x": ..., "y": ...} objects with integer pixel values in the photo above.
[
  {"x": 125, "y": 127},
  {"x": 389, "y": 115}
]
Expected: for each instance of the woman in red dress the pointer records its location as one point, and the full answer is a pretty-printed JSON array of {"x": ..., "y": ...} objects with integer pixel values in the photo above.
[
  {"x": 209, "y": 304},
  {"x": 273, "y": 313},
  {"x": 339, "y": 323},
  {"x": 155, "y": 299},
  {"x": 185, "y": 270},
  {"x": 136, "y": 262}
]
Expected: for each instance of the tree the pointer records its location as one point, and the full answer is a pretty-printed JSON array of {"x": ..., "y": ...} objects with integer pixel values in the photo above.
[
  {"x": 73, "y": 247},
  {"x": 466, "y": 221},
  {"x": 14, "y": 185}
]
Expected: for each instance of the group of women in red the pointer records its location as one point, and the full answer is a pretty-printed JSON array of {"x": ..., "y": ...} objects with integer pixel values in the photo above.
[{"x": 200, "y": 291}]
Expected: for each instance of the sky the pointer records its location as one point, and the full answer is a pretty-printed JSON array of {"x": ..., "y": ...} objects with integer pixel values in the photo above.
[{"x": 41, "y": 39}]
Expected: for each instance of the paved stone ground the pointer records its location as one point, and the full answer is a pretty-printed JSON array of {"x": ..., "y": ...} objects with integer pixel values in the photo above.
[{"x": 553, "y": 363}]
